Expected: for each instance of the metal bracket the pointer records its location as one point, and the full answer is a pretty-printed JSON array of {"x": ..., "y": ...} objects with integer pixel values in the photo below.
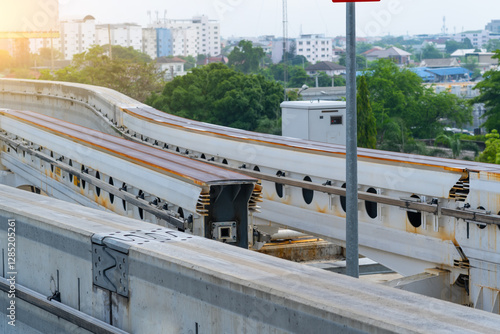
[{"x": 110, "y": 268}]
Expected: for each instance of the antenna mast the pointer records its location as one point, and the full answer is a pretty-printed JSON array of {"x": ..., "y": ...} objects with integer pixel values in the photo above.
[{"x": 285, "y": 44}]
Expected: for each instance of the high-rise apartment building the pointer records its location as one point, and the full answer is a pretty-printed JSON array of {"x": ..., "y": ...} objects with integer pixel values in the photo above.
[
  {"x": 77, "y": 35},
  {"x": 198, "y": 35},
  {"x": 125, "y": 34}
]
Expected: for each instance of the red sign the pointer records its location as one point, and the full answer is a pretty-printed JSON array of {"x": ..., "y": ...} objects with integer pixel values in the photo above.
[{"x": 355, "y": 0}]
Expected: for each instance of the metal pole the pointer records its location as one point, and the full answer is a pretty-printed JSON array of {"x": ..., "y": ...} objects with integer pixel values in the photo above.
[{"x": 352, "y": 252}]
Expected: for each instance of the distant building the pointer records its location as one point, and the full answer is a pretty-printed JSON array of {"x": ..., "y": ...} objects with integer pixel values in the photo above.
[
  {"x": 478, "y": 38},
  {"x": 198, "y": 35},
  {"x": 315, "y": 47},
  {"x": 209, "y": 60},
  {"x": 150, "y": 42},
  {"x": 277, "y": 49},
  {"x": 462, "y": 52},
  {"x": 399, "y": 56},
  {"x": 485, "y": 60},
  {"x": 124, "y": 34},
  {"x": 493, "y": 26},
  {"x": 173, "y": 66},
  {"x": 77, "y": 35},
  {"x": 439, "y": 63},
  {"x": 327, "y": 67}
]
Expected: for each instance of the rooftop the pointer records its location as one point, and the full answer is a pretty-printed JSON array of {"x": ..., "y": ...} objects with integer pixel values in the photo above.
[
  {"x": 325, "y": 66},
  {"x": 166, "y": 60}
]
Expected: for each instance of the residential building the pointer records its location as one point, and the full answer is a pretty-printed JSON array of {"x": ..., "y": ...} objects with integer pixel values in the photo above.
[
  {"x": 440, "y": 63},
  {"x": 77, "y": 35},
  {"x": 277, "y": 49},
  {"x": 399, "y": 56},
  {"x": 478, "y": 38},
  {"x": 124, "y": 34},
  {"x": 150, "y": 42},
  {"x": 36, "y": 44},
  {"x": 315, "y": 47},
  {"x": 493, "y": 26},
  {"x": 173, "y": 66},
  {"x": 198, "y": 35}
]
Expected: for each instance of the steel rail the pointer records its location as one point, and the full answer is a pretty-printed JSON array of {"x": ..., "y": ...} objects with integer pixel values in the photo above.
[{"x": 118, "y": 192}]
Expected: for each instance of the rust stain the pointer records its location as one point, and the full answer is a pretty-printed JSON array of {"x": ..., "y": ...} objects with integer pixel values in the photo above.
[{"x": 321, "y": 209}]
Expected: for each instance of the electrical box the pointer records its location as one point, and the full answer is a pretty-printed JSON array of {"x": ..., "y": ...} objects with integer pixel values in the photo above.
[{"x": 322, "y": 121}]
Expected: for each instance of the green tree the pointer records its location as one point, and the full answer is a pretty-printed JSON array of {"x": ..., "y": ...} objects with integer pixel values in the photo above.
[
  {"x": 489, "y": 90},
  {"x": 431, "y": 52},
  {"x": 467, "y": 44},
  {"x": 128, "y": 53},
  {"x": 221, "y": 95},
  {"x": 363, "y": 47},
  {"x": 452, "y": 46},
  {"x": 132, "y": 77},
  {"x": 451, "y": 141},
  {"x": 245, "y": 58},
  {"x": 491, "y": 153},
  {"x": 399, "y": 94},
  {"x": 367, "y": 127},
  {"x": 493, "y": 45},
  {"x": 360, "y": 61}
]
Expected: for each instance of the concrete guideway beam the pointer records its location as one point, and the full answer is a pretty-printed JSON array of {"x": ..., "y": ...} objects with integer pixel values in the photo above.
[
  {"x": 466, "y": 192},
  {"x": 188, "y": 283}
]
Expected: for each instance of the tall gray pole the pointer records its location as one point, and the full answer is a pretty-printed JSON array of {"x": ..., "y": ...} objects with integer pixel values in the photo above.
[{"x": 352, "y": 252}]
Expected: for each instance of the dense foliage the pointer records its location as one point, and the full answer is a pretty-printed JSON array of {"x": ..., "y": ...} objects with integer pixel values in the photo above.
[
  {"x": 128, "y": 72},
  {"x": 245, "y": 57},
  {"x": 492, "y": 152},
  {"x": 367, "y": 126},
  {"x": 489, "y": 90},
  {"x": 218, "y": 94},
  {"x": 404, "y": 107}
]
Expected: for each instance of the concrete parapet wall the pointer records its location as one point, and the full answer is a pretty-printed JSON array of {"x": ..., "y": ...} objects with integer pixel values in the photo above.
[{"x": 178, "y": 283}]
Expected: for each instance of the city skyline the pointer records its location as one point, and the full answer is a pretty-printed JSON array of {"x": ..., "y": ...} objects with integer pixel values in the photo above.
[{"x": 245, "y": 18}]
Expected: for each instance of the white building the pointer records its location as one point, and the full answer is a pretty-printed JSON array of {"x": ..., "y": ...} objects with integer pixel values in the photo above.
[
  {"x": 125, "y": 34},
  {"x": 198, "y": 35},
  {"x": 172, "y": 67},
  {"x": 77, "y": 35},
  {"x": 277, "y": 49},
  {"x": 40, "y": 43},
  {"x": 478, "y": 38},
  {"x": 315, "y": 47},
  {"x": 149, "y": 42}
]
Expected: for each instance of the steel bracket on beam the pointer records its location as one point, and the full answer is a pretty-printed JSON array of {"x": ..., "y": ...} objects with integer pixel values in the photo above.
[
  {"x": 110, "y": 255},
  {"x": 110, "y": 269}
]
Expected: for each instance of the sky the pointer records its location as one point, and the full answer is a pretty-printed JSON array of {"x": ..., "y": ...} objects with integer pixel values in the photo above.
[{"x": 247, "y": 18}]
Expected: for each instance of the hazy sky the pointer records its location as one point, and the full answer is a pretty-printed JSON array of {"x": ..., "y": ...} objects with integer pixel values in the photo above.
[{"x": 264, "y": 17}]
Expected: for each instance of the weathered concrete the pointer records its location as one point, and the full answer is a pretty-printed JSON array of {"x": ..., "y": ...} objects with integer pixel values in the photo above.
[{"x": 182, "y": 283}]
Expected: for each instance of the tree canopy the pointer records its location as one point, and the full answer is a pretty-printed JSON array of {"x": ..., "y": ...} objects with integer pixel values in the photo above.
[
  {"x": 491, "y": 153},
  {"x": 367, "y": 127},
  {"x": 489, "y": 90},
  {"x": 220, "y": 95},
  {"x": 130, "y": 76},
  {"x": 401, "y": 103},
  {"x": 245, "y": 57}
]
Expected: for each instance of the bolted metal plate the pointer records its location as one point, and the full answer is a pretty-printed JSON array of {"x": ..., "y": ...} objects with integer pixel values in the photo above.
[{"x": 110, "y": 269}]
